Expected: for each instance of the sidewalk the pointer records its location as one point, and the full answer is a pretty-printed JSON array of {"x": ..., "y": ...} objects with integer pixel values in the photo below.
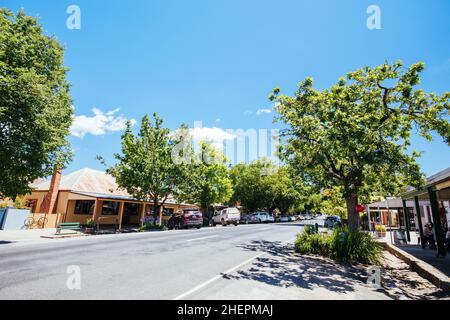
[
  {"x": 283, "y": 274},
  {"x": 28, "y": 236},
  {"x": 427, "y": 255}
]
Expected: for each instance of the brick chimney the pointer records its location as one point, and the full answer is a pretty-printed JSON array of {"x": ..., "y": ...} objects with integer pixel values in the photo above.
[{"x": 49, "y": 202}]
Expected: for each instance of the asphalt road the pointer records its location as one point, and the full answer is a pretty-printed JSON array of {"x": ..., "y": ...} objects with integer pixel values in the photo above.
[{"x": 156, "y": 265}]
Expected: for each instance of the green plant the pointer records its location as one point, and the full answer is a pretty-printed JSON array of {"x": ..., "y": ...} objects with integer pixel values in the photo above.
[
  {"x": 90, "y": 223},
  {"x": 343, "y": 245},
  {"x": 152, "y": 227},
  {"x": 380, "y": 228},
  {"x": 354, "y": 246},
  {"x": 318, "y": 244}
]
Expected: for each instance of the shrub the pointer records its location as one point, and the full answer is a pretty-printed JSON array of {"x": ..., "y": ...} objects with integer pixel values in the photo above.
[
  {"x": 343, "y": 246},
  {"x": 152, "y": 226},
  {"x": 317, "y": 243},
  {"x": 351, "y": 246},
  {"x": 90, "y": 223}
]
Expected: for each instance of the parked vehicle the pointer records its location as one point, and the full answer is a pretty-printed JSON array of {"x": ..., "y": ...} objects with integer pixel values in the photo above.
[
  {"x": 186, "y": 219},
  {"x": 227, "y": 216},
  {"x": 292, "y": 218},
  {"x": 262, "y": 217},
  {"x": 331, "y": 222},
  {"x": 284, "y": 218},
  {"x": 246, "y": 219}
]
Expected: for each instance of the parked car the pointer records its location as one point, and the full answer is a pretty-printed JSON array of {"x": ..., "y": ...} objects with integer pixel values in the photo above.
[
  {"x": 331, "y": 222},
  {"x": 263, "y": 217},
  {"x": 292, "y": 218},
  {"x": 246, "y": 219},
  {"x": 186, "y": 219},
  {"x": 284, "y": 218},
  {"x": 227, "y": 216}
]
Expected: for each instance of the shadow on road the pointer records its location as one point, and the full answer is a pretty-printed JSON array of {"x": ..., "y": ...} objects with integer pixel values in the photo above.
[{"x": 285, "y": 268}]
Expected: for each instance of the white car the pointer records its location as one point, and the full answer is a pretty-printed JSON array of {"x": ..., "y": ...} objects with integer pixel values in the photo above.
[
  {"x": 227, "y": 216},
  {"x": 262, "y": 217}
]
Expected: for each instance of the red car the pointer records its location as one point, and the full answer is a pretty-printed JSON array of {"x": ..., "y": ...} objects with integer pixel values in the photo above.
[{"x": 186, "y": 219}]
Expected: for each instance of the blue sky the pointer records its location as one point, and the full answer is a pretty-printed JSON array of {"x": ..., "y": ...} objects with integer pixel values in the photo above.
[{"x": 217, "y": 61}]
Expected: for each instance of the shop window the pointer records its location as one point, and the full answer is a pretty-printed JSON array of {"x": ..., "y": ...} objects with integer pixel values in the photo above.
[
  {"x": 84, "y": 207},
  {"x": 110, "y": 208},
  {"x": 131, "y": 209},
  {"x": 168, "y": 211}
]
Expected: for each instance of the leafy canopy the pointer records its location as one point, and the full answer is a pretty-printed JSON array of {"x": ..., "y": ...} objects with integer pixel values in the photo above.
[
  {"x": 356, "y": 133},
  {"x": 208, "y": 182},
  {"x": 35, "y": 105},
  {"x": 145, "y": 167},
  {"x": 262, "y": 185}
]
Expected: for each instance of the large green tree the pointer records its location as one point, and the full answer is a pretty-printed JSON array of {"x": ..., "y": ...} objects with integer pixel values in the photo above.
[
  {"x": 208, "y": 181},
  {"x": 35, "y": 105},
  {"x": 262, "y": 185},
  {"x": 356, "y": 133},
  {"x": 145, "y": 167}
]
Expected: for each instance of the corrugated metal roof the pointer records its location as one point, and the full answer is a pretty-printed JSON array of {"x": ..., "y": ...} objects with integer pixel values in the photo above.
[
  {"x": 86, "y": 180},
  {"x": 92, "y": 183},
  {"x": 170, "y": 200}
]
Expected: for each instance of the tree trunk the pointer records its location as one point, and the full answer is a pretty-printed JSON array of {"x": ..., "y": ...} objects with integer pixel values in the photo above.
[
  {"x": 204, "y": 209},
  {"x": 155, "y": 210},
  {"x": 160, "y": 214},
  {"x": 352, "y": 214}
]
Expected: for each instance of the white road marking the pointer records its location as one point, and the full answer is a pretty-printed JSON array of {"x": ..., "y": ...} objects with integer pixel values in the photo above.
[
  {"x": 202, "y": 238},
  {"x": 219, "y": 276}
]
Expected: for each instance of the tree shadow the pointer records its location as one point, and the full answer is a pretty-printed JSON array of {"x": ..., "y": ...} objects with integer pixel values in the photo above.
[{"x": 284, "y": 268}]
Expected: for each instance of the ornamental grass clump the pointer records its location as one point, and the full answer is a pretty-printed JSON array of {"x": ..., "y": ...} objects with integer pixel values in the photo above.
[
  {"x": 343, "y": 245},
  {"x": 315, "y": 244},
  {"x": 353, "y": 246}
]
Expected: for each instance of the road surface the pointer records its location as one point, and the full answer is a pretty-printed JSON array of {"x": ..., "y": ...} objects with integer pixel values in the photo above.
[{"x": 181, "y": 264}]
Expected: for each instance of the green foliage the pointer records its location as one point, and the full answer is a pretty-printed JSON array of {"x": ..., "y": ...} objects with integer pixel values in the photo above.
[
  {"x": 90, "y": 223},
  {"x": 145, "y": 168},
  {"x": 152, "y": 227},
  {"x": 355, "y": 135},
  {"x": 35, "y": 105},
  {"x": 208, "y": 181},
  {"x": 313, "y": 244},
  {"x": 333, "y": 203},
  {"x": 353, "y": 246},
  {"x": 261, "y": 185},
  {"x": 343, "y": 245}
]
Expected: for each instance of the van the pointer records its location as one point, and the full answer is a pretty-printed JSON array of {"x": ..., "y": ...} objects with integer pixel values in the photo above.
[{"x": 227, "y": 216}]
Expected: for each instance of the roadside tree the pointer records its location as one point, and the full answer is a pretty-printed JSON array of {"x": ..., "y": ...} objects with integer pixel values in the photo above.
[
  {"x": 35, "y": 104},
  {"x": 356, "y": 134}
]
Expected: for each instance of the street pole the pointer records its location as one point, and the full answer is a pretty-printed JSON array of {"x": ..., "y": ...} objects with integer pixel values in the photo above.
[{"x": 389, "y": 219}]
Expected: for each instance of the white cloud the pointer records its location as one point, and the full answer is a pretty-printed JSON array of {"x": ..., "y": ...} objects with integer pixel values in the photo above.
[
  {"x": 99, "y": 124},
  {"x": 216, "y": 135},
  {"x": 263, "y": 111}
]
